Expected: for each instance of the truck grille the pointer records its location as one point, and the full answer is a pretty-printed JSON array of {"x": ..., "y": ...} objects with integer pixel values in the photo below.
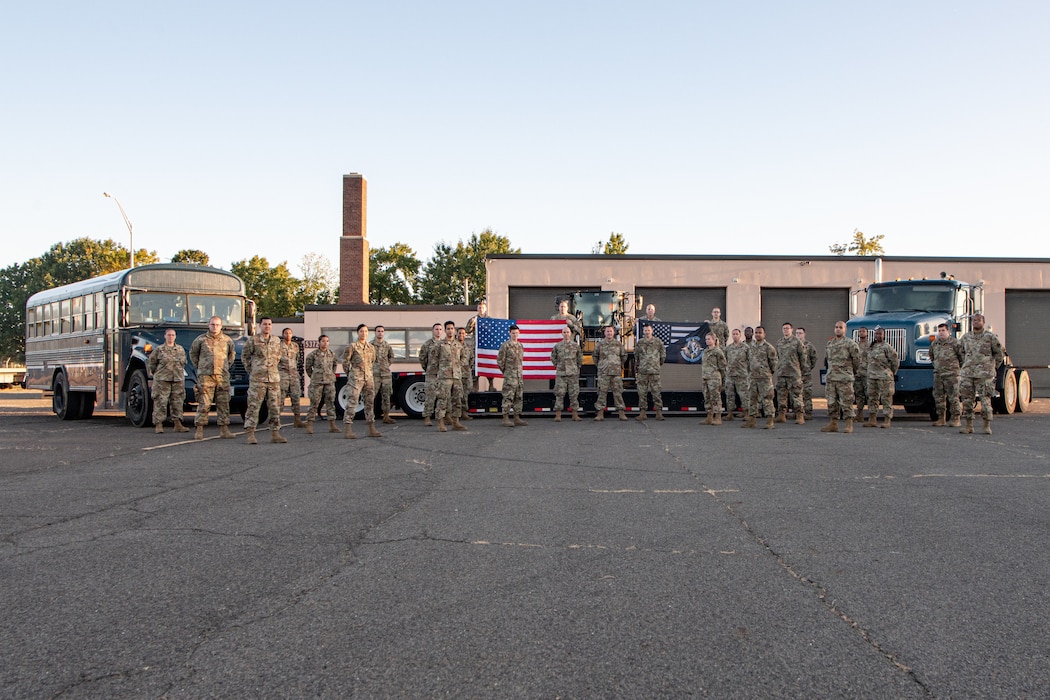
[{"x": 898, "y": 340}]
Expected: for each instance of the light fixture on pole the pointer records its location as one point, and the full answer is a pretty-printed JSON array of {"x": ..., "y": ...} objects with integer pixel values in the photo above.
[{"x": 131, "y": 234}]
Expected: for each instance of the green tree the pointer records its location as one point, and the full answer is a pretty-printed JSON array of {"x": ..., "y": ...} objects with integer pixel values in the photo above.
[
  {"x": 392, "y": 274},
  {"x": 275, "y": 291},
  {"x": 17, "y": 283},
  {"x": 859, "y": 245},
  {"x": 320, "y": 282},
  {"x": 616, "y": 245},
  {"x": 191, "y": 256},
  {"x": 458, "y": 275}
]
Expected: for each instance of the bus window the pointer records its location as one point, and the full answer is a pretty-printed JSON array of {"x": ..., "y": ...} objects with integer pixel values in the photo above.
[
  {"x": 229, "y": 309},
  {"x": 157, "y": 308},
  {"x": 397, "y": 343},
  {"x": 416, "y": 338}
]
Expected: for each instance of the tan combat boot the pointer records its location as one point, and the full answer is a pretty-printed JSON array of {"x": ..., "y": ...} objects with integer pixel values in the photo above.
[
  {"x": 968, "y": 428},
  {"x": 506, "y": 421},
  {"x": 348, "y": 432},
  {"x": 849, "y": 426},
  {"x": 332, "y": 427},
  {"x": 387, "y": 420},
  {"x": 456, "y": 425},
  {"x": 718, "y": 418},
  {"x": 782, "y": 417},
  {"x": 158, "y": 427},
  {"x": 623, "y": 416},
  {"x": 426, "y": 421},
  {"x": 872, "y": 421},
  {"x": 442, "y": 427},
  {"x": 769, "y": 422},
  {"x": 955, "y": 422},
  {"x": 224, "y": 432},
  {"x": 179, "y": 427},
  {"x": 709, "y": 420},
  {"x": 800, "y": 418},
  {"x": 372, "y": 432},
  {"x": 831, "y": 427},
  {"x": 987, "y": 427},
  {"x": 557, "y": 416},
  {"x": 275, "y": 436},
  {"x": 641, "y": 416},
  {"x": 298, "y": 422},
  {"x": 600, "y": 414},
  {"x": 198, "y": 434},
  {"x": 518, "y": 420},
  {"x": 251, "y": 437},
  {"x": 576, "y": 416},
  {"x": 729, "y": 415},
  {"x": 310, "y": 427},
  {"x": 940, "y": 420},
  {"x": 749, "y": 422},
  {"x": 465, "y": 416},
  {"x": 659, "y": 414},
  {"x": 886, "y": 421}
]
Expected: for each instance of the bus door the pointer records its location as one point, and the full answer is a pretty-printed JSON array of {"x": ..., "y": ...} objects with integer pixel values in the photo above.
[{"x": 112, "y": 351}]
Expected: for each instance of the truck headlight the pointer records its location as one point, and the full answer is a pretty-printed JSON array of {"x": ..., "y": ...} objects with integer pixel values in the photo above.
[{"x": 922, "y": 357}]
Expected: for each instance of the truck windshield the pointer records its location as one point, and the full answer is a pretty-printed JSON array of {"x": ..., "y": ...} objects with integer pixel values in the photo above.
[{"x": 909, "y": 297}]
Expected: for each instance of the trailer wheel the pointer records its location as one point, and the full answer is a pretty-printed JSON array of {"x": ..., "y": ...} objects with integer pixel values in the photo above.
[
  {"x": 1024, "y": 390},
  {"x": 342, "y": 398},
  {"x": 1006, "y": 401},
  {"x": 412, "y": 396}
]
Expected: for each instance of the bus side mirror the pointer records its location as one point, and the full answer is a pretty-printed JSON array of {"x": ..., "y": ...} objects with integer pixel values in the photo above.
[{"x": 249, "y": 317}]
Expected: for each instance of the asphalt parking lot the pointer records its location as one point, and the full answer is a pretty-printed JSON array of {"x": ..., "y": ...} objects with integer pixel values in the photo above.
[{"x": 555, "y": 560}]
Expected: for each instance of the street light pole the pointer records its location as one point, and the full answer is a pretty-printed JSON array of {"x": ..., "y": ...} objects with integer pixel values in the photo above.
[{"x": 131, "y": 234}]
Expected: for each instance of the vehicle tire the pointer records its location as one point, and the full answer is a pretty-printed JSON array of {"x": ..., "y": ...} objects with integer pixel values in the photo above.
[
  {"x": 1024, "y": 390},
  {"x": 138, "y": 404},
  {"x": 1006, "y": 401},
  {"x": 87, "y": 406},
  {"x": 65, "y": 404},
  {"x": 412, "y": 396},
  {"x": 342, "y": 398}
]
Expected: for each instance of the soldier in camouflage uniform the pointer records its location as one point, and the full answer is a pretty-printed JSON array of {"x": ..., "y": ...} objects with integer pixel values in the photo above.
[
  {"x": 426, "y": 353},
  {"x": 472, "y": 331},
  {"x": 650, "y": 313},
  {"x": 947, "y": 355},
  {"x": 719, "y": 327},
  {"x": 843, "y": 364},
  {"x": 791, "y": 361},
  {"x": 261, "y": 356},
  {"x": 167, "y": 366},
  {"x": 564, "y": 315},
  {"x": 567, "y": 357},
  {"x": 510, "y": 359},
  {"x": 381, "y": 377},
  {"x": 609, "y": 355},
  {"x": 882, "y": 366},
  {"x": 982, "y": 355},
  {"x": 737, "y": 358},
  {"x": 810, "y": 353},
  {"x": 291, "y": 388},
  {"x": 212, "y": 354},
  {"x": 358, "y": 359},
  {"x": 860, "y": 383},
  {"x": 320, "y": 366},
  {"x": 649, "y": 355},
  {"x": 762, "y": 364},
  {"x": 449, "y": 380},
  {"x": 466, "y": 371},
  {"x": 713, "y": 367}
]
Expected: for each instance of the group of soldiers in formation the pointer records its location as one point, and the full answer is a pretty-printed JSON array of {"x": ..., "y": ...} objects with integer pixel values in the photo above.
[{"x": 742, "y": 365}]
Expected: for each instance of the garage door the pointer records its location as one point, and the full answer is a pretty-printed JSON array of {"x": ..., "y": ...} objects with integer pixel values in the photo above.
[
  {"x": 816, "y": 310},
  {"x": 538, "y": 302},
  {"x": 684, "y": 303},
  {"x": 1027, "y": 335}
]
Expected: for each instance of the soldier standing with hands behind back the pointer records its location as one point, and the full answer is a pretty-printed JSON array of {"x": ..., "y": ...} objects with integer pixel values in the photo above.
[
  {"x": 261, "y": 357},
  {"x": 947, "y": 355},
  {"x": 289, "y": 369},
  {"x": 882, "y": 366},
  {"x": 212, "y": 354},
  {"x": 320, "y": 365},
  {"x": 982, "y": 354},
  {"x": 566, "y": 357},
  {"x": 609, "y": 355},
  {"x": 357, "y": 363},
  {"x": 167, "y": 365}
]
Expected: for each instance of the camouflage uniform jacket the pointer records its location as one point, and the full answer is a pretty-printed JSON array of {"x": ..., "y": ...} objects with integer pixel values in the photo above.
[
  {"x": 358, "y": 359},
  {"x": 810, "y": 353},
  {"x": 721, "y": 331},
  {"x": 448, "y": 359},
  {"x": 843, "y": 360},
  {"x": 213, "y": 354},
  {"x": 737, "y": 356},
  {"x": 424, "y": 358},
  {"x": 982, "y": 353},
  {"x": 947, "y": 356},
  {"x": 466, "y": 358},
  {"x": 472, "y": 324},
  {"x": 714, "y": 364},
  {"x": 649, "y": 354},
  {"x": 320, "y": 365},
  {"x": 791, "y": 358},
  {"x": 573, "y": 322},
  {"x": 763, "y": 361},
  {"x": 384, "y": 356},
  {"x": 882, "y": 361},
  {"x": 167, "y": 363},
  {"x": 609, "y": 355},
  {"x": 510, "y": 358},
  {"x": 261, "y": 357},
  {"x": 289, "y": 357},
  {"x": 863, "y": 348},
  {"x": 567, "y": 357}
]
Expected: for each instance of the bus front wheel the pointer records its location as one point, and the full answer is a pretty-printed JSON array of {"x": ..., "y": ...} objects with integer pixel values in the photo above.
[{"x": 138, "y": 403}]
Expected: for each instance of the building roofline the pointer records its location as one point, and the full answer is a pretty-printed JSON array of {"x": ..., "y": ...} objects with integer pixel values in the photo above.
[
  {"x": 389, "y": 307},
  {"x": 844, "y": 258}
]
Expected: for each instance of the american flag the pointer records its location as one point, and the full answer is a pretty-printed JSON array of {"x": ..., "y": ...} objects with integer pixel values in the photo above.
[
  {"x": 537, "y": 338},
  {"x": 676, "y": 336}
]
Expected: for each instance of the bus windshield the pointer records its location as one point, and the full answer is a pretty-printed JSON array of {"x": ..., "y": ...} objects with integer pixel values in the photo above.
[
  {"x": 909, "y": 297},
  {"x": 167, "y": 308}
]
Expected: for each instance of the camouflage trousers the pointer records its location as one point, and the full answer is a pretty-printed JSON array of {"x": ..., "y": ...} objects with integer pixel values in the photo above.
[
  {"x": 972, "y": 388},
  {"x": 512, "y": 396},
  {"x": 467, "y": 382},
  {"x": 291, "y": 389},
  {"x": 649, "y": 383},
  {"x": 760, "y": 397},
  {"x": 789, "y": 394},
  {"x": 607, "y": 383},
  {"x": 880, "y": 392},
  {"x": 840, "y": 398},
  {"x": 713, "y": 395},
  {"x": 807, "y": 394},
  {"x": 259, "y": 391},
  {"x": 430, "y": 391},
  {"x": 860, "y": 393},
  {"x": 384, "y": 385},
  {"x": 321, "y": 392},
  {"x": 168, "y": 398},
  {"x": 449, "y": 400},
  {"x": 946, "y": 394},
  {"x": 209, "y": 387},
  {"x": 567, "y": 386},
  {"x": 365, "y": 392},
  {"x": 736, "y": 386}
]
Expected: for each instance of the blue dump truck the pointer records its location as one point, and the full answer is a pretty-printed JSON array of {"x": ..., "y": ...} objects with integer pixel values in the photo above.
[{"x": 909, "y": 312}]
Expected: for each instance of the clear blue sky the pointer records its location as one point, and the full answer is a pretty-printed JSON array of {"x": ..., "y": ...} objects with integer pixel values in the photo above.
[{"x": 760, "y": 127}]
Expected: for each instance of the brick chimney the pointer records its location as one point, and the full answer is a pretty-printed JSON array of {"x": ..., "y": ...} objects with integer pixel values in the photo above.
[{"x": 353, "y": 246}]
